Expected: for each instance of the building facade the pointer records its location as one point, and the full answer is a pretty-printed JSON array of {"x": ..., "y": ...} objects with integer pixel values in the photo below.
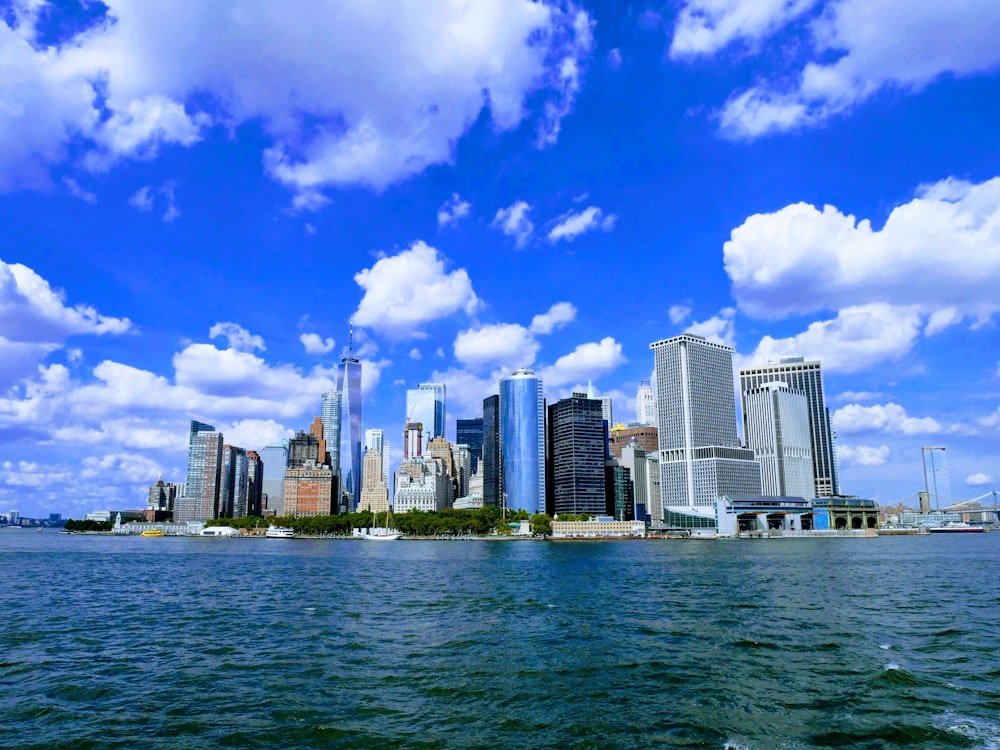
[
  {"x": 776, "y": 424},
  {"x": 204, "y": 473},
  {"x": 492, "y": 470},
  {"x": 349, "y": 385},
  {"x": 575, "y": 481},
  {"x": 806, "y": 378},
  {"x": 522, "y": 439},
  {"x": 308, "y": 490},
  {"x": 375, "y": 493},
  {"x": 645, "y": 405},
  {"x": 470, "y": 432},
  {"x": 274, "y": 457},
  {"x": 634, "y": 459},
  {"x": 700, "y": 454}
]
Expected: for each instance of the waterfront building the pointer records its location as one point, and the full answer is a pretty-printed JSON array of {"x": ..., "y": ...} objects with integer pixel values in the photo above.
[
  {"x": 162, "y": 496},
  {"x": 203, "y": 474},
  {"x": 349, "y": 385},
  {"x": 375, "y": 493},
  {"x": 522, "y": 438},
  {"x": 700, "y": 454},
  {"x": 806, "y": 378},
  {"x": 492, "y": 459},
  {"x": 330, "y": 412},
  {"x": 274, "y": 457},
  {"x": 421, "y": 485},
  {"x": 776, "y": 424},
  {"x": 654, "y": 503},
  {"x": 303, "y": 449},
  {"x": 619, "y": 492},
  {"x": 308, "y": 490},
  {"x": 255, "y": 480},
  {"x": 597, "y": 528},
  {"x": 575, "y": 482},
  {"x": 441, "y": 450},
  {"x": 645, "y": 405},
  {"x": 634, "y": 459},
  {"x": 461, "y": 461},
  {"x": 644, "y": 435},
  {"x": 233, "y": 482},
  {"x": 470, "y": 432}
]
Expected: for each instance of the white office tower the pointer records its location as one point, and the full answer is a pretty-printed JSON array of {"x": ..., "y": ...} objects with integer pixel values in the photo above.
[
  {"x": 645, "y": 405},
  {"x": 634, "y": 459},
  {"x": 807, "y": 378},
  {"x": 700, "y": 454},
  {"x": 776, "y": 421},
  {"x": 655, "y": 507},
  {"x": 374, "y": 440}
]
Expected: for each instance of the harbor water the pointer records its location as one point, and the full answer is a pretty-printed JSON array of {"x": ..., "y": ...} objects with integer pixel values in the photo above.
[{"x": 115, "y": 642}]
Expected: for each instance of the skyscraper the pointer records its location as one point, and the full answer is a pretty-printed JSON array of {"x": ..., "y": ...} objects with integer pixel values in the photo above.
[
  {"x": 522, "y": 438},
  {"x": 275, "y": 459},
  {"x": 807, "y": 378},
  {"x": 374, "y": 439},
  {"x": 413, "y": 440},
  {"x": 492, "y": 460},
  {"x": 470, "y": 432},
  {"x": 700, "y": 454},
  {"x": 645, "y": 405},
  {"x": 576, "y": 482},
  {"x": 375, "y": 494},
  {"x": 349, "y": 385},
  {"x": 425, "y": 404},
  {"x": 776, "y": 425},
  {"x": 203, "y": 474},
  {"x": 438, "y": 390},
  {"x": 633, "y": 458}
]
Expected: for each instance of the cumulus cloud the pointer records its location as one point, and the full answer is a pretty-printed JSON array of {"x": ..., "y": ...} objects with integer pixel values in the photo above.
[
  {"x": 35, "y": 321},
  {"x": 862, "y": 455},
  {"x": 506, "y": 345},
  {"x": 890, "y": 418},
  {"x": 572, "y": 225},
  {"x": 858, "y": 396},
  {"x": 420, "y": 75},
  {"x": 74, "y": 189},
  {"x": 858, "y": 50},
  {"x": 239, "y": 338},
  {"x": 452, "y": 210},
  {"x": 679, "y": 313},
  {"x": 414, "y": 354},
  {"x": 557, "y": 316},
  {"x": 978, "y": 479},
  {"x": 513, "y": 221},
  {"x": 800, "y": 259},
  {"x": 407, "y": 290},
  {"x": 587, "y": 361},
  {"x": 857, "y": 338},
  {"x": 706, "y": 26},
  {"x": 142, "y": 198},
  {"x": 720, "y": 328},
  {"x": 315, "y": 344}
]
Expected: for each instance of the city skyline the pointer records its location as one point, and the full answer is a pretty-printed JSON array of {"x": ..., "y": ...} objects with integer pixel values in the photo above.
[{"x": 192, "y": 243}]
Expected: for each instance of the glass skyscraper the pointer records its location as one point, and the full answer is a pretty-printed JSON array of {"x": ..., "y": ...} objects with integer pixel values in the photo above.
[
  {"x": 576, "y": 457},
  {"x": 275, "y": 460},
  {"x": 425, "y": 404},
  {"x": 522, "y": 439},
  {"x": 492, "y": 462},
  {"x": 349, "y": 385},
  {"x": 470, "y": 432}
]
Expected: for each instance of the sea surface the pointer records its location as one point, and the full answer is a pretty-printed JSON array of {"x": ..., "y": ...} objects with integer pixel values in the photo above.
[{"x": 126, "y": 642}]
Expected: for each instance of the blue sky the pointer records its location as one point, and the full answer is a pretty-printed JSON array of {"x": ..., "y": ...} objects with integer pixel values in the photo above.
[{"x": 195, "y": 199}]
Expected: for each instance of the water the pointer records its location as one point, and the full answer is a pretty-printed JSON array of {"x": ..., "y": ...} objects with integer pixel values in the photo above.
[{"x": 171, "y": 642}]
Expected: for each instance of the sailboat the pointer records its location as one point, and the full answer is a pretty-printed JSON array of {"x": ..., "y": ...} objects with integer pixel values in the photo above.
[{"x": 381, "y": 533}]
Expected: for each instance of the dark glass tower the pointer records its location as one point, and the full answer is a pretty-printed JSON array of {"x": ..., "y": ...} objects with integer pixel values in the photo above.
[
  {"x": 470, "y": 432},
  {"x": 492, "y": 468},
  {"x": 576, "y": 457}
]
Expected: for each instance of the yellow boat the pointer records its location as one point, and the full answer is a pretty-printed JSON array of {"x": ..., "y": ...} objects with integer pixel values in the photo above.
[{"x": 152, "y": 532}]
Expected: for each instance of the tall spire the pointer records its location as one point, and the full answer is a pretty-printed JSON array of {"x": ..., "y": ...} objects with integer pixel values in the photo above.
[
  {"x": 590, "y": 389},
  {"x": 350, "y": 339}
]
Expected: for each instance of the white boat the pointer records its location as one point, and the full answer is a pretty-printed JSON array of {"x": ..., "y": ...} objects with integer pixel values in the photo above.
[
  {"x": 956, "y": 527},
  {"x": 381, "y": 533},
  {"x": 279, "y": 532}
]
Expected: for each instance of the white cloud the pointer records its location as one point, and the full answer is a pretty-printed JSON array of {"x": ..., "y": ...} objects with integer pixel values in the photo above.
[
  {"x": 571, "y": 225},
  {"x": 130, "y": 467},
  {"x": 890, "y": 418},
  {"x": 254, "y": 433},
  {"x": 74, "y": 189},
  {"x": 309, "y": 200},
  {"x": 239, "y": 338},
  {"x": 35, "y": 320},
  {"x": 587, "y": 361},
  {"x": 862, "y": 455},
  {"x": 800, "y": 259},
  {"x": 505, "y": 345},
  {"x": 513, "y": 221},
  {"x": 142, "y": 198},
  {"x": 978, "y": 479},
  {"x": 720, "y": 328},
  {"x": 706, "y": 26},
  {"x": 406, "y": 290},
  {"x": 557, "y": 316},
  {"x": 420, "y": 74},
  {"x": 316, "y": 344},
  {"x": 615, "y": 58},
  {"x": 862, "y": 50},
  {"x": 858, "y": 396},
  {"x": 414, "y": 354},
  {"x": 452, "y": 210},
  {"x": 679, "y": 313},
  {"x": 856, "y": 339}
]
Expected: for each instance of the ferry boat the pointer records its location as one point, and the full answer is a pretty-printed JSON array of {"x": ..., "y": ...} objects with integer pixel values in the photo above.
[
  {"x": 279, "y": 532},
  {"x": 152, "y": 532},
  {"x": 957, "y": 527}
]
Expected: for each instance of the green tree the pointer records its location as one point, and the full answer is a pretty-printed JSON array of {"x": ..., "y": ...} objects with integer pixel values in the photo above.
[{"x": 541, "y": 523}]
